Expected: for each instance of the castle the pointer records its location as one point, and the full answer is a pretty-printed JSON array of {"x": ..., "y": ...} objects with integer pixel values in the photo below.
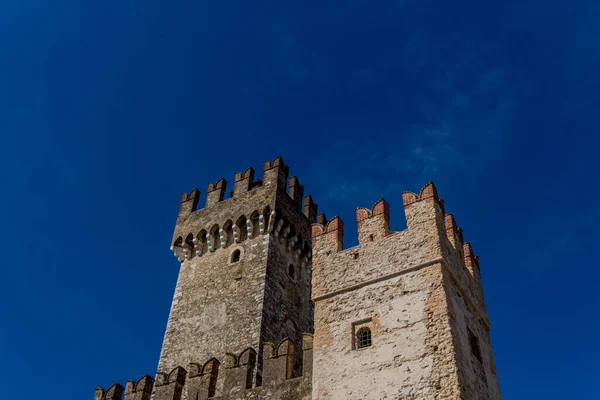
[{"x": 269, "y": 305}]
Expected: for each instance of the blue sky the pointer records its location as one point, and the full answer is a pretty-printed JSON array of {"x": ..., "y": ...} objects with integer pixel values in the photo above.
[{"x": 110, "y": 110}]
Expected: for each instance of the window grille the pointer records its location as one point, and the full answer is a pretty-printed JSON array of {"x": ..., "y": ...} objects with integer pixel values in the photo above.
[{"x": 363, "y": 338}]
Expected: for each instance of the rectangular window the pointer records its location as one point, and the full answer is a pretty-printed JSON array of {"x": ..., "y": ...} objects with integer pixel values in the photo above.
[{"x": 474, "y": 344}]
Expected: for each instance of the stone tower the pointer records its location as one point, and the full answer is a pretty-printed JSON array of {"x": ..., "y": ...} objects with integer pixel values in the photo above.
[
  {"x": 401, "y": 315},
  {"x": 245, "y": 272}
]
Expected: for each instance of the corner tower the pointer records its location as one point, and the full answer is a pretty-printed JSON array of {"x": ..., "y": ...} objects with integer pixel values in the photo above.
[
  {"x": 245, "y": 274},
  {"x": 402, "y": 314}
]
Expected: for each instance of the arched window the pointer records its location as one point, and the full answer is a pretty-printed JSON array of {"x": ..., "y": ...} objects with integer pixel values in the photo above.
[
  {"x": 228, "y": 228},
  {"x": 189, "y": 241},
  {"x": 267, "y": 216},
  {"x": 363, "y": 338},
  {"x": 292, "y": 272},
  {"x": 235, "y": 256},
  {"x": 203, "y": 245},
  {"x": 178, "y": 242},
  {"x": 242, "y": 225},
  {"x": 254, "y": 222},
  {"x": 216, "y": 237},
  {"x": 188, "y": 246}
]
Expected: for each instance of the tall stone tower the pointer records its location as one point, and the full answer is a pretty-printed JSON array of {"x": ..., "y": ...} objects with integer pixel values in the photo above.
[
  {"x": 245, "y": 272},
  {"x": 401, "y": 315}
]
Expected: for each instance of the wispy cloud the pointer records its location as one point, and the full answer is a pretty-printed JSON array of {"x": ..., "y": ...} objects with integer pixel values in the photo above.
[
  {"x": 457, "y": 134},
  {"x": 440, "y": 108}
]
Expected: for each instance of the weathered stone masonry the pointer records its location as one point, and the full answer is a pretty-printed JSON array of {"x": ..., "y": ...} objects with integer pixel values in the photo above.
[{"x": 257, "y": 280}]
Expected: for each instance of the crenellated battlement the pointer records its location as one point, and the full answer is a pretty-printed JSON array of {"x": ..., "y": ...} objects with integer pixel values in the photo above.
[
  {"x": 134, "y": 390},
  {"x": 276, "y": 163},
  {"x": 226, "y": 222},
  {"x": 177, "y": 376},
  {"x": 230, "y": 379},
  {"x": 427, "y": 192},
  {"x": 296, "y": 191},
  {"x": 453, "y": 232},
  {"x": 471, "y": 260},
  {"x": 244, "y": 182},
  {"x": 189, "y": 202},
  {"x": 275, "y": 178},
  {"x": 115, "y": 392},
  {"x": 215, "y": 192},
  {"x": 437, "y": 234},
  {"x": 374, "y": 223}
]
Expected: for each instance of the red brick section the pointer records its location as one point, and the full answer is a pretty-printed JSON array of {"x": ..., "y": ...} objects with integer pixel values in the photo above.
[
  {"x": 453, "y": 232},
  {"x": 334, "y": 227},
  {"x": 471, "y": 260},
  {"x": 428, "y": 192}
]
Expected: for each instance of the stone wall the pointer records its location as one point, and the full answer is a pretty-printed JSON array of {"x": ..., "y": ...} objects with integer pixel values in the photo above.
[
  {"x": 227, "y": 380},
  {"x": 217, "y": 306},
  {"x": 398, "y": 364}
]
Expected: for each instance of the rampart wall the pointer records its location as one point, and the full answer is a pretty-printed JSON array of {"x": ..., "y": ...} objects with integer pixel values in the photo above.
[{"x": 226, "y": 379}]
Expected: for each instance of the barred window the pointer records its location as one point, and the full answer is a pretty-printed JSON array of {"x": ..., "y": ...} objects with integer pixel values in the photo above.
[
  {"x": 235, "y": 257},
  {"x": 363, "y": 338}
]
